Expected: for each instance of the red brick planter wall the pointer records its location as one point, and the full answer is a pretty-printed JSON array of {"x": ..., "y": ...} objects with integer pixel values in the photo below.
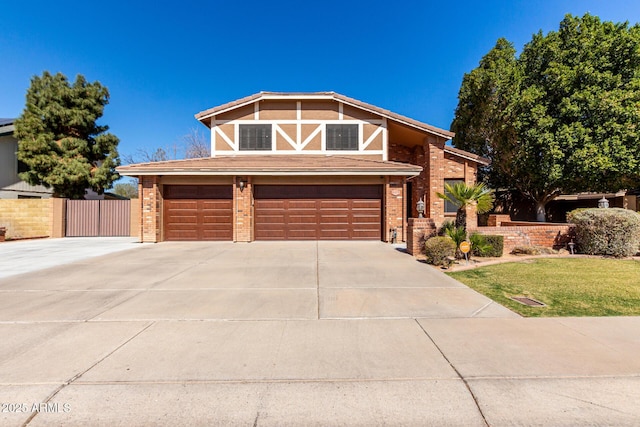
[{"x": 547, "y": 235}]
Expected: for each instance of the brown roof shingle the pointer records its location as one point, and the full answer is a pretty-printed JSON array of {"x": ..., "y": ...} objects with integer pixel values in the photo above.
[{"x": 303, "y": 164}]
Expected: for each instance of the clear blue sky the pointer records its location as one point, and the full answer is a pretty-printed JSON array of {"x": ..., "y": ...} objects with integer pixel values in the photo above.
[{"x": 165, "y": 61}]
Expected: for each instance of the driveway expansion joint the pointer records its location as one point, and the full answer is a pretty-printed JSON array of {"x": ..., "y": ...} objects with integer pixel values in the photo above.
[
  {"x": 466, "y": 384},
  {"x": 80, "y": 374}
]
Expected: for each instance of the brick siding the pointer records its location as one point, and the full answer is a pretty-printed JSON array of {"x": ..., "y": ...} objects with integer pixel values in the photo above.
[
  {"x": 418, "y": 231},
  {"x": 546, "y": 235},
  {"x": 394, "y": 207},
  {"x": 150, "y": 205},
  {"x": 243, "y": 200}
]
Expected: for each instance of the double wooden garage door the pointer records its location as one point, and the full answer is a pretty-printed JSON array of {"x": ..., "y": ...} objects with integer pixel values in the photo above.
[
  {"x": 281, "y": 212},
  {"x": 318, "y": 212}
]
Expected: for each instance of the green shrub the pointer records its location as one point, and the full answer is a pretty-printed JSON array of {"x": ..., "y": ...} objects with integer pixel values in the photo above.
[
  {"x": 437, "y": 249},
  {"x": 446, "y": 227},
  {"x": 613, "y": 232},
  {"x": 479, "y": 245},
  {"x": 486, "y": 245},
  {"x": 457, "y": 234},
  {"x": 497, "y": 245}
]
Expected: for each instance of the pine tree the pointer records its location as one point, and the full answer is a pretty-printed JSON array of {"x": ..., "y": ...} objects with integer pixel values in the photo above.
[{"x": 59, "y": 140}]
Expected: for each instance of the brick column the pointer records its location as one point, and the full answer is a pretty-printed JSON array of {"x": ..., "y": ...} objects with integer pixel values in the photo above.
[
  {"x": 58, "y": 217},
  {"x": 496, "y": 219},
  {"x": 436, "y": 169},
  {"x": 418, "y": 231},
  {"x": 419, "y": 184},
  {"x": 394, "y": 207},
  {"x": 243, "y": 209},
  {"x": 149, "y": 193}
]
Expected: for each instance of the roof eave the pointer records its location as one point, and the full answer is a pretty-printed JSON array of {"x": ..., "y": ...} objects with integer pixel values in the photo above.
[
  {"x": 263, "y": 172},
  {"x": 469, "y": 156}
]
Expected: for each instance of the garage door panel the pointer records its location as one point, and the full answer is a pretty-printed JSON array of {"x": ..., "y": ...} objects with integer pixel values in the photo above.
[
  {"x": 216, "y": 204},
  {"x": 301, "y": 204},
  {"x": 297, "y": 234},
  {"x": 271, "y": 204},
  {"x": 198, "y": 212},
  {"x": 302, "y": 219},
  {"x": 318, "y": 212}
]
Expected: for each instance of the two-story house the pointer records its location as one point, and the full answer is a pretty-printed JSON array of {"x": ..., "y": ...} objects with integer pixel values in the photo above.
[
  {"x": 310, "y": 166},
  {"x": 11, "y": 186}
]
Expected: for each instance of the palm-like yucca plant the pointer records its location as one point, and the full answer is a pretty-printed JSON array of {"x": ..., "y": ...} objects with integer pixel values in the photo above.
[
  {"x": 457, "y": 234},
  {"x": 463, "y": 196}
]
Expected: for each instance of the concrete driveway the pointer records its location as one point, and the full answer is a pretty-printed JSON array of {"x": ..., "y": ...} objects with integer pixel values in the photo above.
[{"x": 296, "y": 333}]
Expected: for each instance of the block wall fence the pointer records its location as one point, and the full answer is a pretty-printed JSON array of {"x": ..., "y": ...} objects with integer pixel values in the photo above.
[
  {"x": 33, "y": 218},
  {"x": 546, "y": 235}
]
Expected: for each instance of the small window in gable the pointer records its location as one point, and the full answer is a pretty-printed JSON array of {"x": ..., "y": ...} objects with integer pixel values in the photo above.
[
  {"x": 342, "y": 137},
  {"x": 255, "y": 137}
]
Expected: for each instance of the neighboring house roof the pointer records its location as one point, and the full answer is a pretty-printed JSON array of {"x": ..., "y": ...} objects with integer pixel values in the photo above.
[
  {"x": 302, "y": 164},
  {"x": 6, "y": 126},
  {"x": 592, "y": 196},
  {"x": 202, "y": 116}
]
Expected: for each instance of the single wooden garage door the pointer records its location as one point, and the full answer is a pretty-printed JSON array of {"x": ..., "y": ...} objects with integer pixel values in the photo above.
[
  {"x": 318, "y": 212},
  {"x": 198, "y": 212}
]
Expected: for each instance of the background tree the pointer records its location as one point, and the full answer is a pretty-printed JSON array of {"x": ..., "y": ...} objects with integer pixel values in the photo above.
[
  {"x": 59, "y": 140},
  {"x": 196, "y": 145},
  {"x": 126, "y": 189},
  {"x": 191, "y": 146},
  {"x": 567, "y": 117},
  {"x": 483, "y": 119}
]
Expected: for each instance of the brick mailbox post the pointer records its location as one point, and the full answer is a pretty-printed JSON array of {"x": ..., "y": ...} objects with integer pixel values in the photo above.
[{"x": 418, "y": 230}]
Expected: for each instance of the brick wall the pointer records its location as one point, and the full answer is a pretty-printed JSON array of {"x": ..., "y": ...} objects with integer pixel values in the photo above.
[
  {"x": 434, "y": 150},
  {"x": 496, "y": 220},
  {"x": 394, "y": 207},
  {"x": 27, "y": 217},
  {"x": 243, "y": 201},
  {"x": 418, "y": 231},
  {"x": 437, "y": 166},
  {"x": 544, "y": 234},
  {"x": 150, "y": 198}
]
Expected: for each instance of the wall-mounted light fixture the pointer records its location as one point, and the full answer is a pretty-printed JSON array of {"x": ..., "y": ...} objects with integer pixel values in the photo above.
[
  {"x": 420, "y": 208},
  {"x": 603, "y": 203},
  {"x": 242, "y": 183}
]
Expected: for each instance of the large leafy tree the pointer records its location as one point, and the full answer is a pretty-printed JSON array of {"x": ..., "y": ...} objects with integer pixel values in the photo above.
[
  {"x": 565, "y": 118},
  {"x": 59, "y": 140},
  {"x": 483, "y": 121}
]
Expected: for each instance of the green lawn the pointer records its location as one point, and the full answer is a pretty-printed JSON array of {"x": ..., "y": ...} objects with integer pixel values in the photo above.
[{"x": 569, "y": 287}]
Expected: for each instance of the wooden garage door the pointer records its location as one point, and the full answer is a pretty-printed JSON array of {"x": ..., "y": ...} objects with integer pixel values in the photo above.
[
  {"x": 198, "y": 212},
  {"x": 318, "y": 212}
]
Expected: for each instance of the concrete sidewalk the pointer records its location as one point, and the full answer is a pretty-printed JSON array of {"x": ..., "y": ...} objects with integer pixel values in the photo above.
[
  {"x": 24, "y": 256},
  {"x": 296, "y": 333}
]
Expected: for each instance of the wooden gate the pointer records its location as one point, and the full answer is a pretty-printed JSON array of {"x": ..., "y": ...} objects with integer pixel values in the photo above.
[{"x": 98, "y": 218}]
